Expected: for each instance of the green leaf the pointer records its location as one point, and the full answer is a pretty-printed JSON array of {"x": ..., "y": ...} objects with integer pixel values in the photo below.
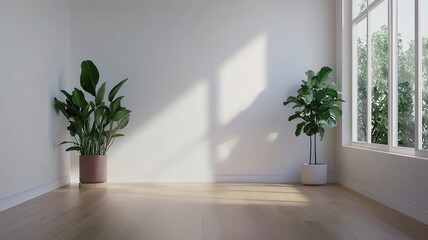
[
  {"x": 120, "y": 115},
  {"x": 321, "y": 131},
  {"x": 299, "y": 129},
  {"x": 313, "y": 82},
  {"x": 70, "y": 103},
  {"x": 315, "y": 105},
  {"x": 61, "y": 107},
  {"x": 294, "y": 116},
  {"x": 324, "y": 115},
  {"x": 115, "y": 105},
  {"x": 303, "y": 91},
  {"x": 72, "y": 128},
  {"x": 310, "y": 74},
  {"x": 117, "y": 135},
  {"x": 297, "y": 101},
  {"x": 337, "y": 110},
  {"x": 73, "y": 110},
  {"x": 308, "y": 129},
  {"x": 79, "y": 123},
  {"x": 124, "y": 122},
  {"x": 100, "y": 94},
  {"x": 74, "y": 148},
  {"x": 325, "y": 94},
  {"x": 79, "y": 98},
  {"x": 115, "y": 89},
  {"x": 323, "y": 74},
  {"x": 331, "y": 121},
  {"x": 331, "y": 92},
  {"x": 89, "y": 76},
  {"x": 65, "y": 142},
  {"x": 67, "y": 95}
]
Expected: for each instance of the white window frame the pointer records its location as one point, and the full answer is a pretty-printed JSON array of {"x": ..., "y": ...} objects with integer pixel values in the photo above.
[
  {"x": 418, "y": 84},
  {"x": 392, "y": 84}
]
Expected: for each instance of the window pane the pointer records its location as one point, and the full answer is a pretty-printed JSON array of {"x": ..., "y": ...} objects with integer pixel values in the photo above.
[
  {"x": 358, "y": 6},
  {"x": 406, "y": 73},
  {"x": 361, "y": 70},
  {"x": 424, "y": 33},
  {"x": 379, "y": 73}
]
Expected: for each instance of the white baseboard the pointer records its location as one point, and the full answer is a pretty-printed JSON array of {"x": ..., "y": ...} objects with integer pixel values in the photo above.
[
  {"x": 220, "y": 178},
  {"x": 18, "y": 198},
  {"x": 400, "y": 205}
]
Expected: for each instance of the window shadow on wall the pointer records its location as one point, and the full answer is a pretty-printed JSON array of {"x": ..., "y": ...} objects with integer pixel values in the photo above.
[{"x": 198, "y": 110}]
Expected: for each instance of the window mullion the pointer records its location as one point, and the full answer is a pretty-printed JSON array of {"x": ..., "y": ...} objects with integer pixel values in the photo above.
[
  {"x": 369, "y": 82},
  {"x": 354, "y": 85},
  {"x": 418, "y": 76},
  {"x": 393, "y": 73}
]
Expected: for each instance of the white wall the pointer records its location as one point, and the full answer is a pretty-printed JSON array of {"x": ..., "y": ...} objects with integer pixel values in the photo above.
[
  {"x": 34, "y": 66},
  {"x": 394, "y": 180},
  {"x": 206, "y": 83}
]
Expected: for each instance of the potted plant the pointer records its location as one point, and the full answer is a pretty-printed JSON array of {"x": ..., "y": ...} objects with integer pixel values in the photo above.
[
  {"x": 316, "y": 106},
  {"x": 93, "y": 124}
]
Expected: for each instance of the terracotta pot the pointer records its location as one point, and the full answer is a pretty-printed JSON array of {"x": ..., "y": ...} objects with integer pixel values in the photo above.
[
  {"x": 93, "y": 169},
  {"x": 314, "y": 174}
]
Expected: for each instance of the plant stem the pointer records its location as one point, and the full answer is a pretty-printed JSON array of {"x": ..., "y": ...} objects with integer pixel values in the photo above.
[
  {"x": 315, "y": 144},
  {"x": 310, "y": 150}
]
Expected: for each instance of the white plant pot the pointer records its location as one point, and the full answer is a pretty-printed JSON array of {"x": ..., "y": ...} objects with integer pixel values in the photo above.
[{"x": 314, "y": 174}]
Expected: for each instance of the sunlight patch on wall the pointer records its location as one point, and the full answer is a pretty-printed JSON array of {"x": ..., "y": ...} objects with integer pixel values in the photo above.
[
  {"x": 241, "y": 79},
  {"x": 172, "y": 142},
  {"x": 272, "y": 137}
]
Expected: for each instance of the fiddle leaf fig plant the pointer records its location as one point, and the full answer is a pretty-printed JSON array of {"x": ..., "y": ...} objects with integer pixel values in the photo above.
[
  {"x": 93, "y": 124},
  {"x": 316, "y": 105}
]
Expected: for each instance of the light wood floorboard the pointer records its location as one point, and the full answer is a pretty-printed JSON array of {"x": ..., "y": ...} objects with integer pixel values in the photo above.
[{"x": 206, "y": 212}]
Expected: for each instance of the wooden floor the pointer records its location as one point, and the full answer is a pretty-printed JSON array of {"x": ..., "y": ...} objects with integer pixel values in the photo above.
[{"x": 208, "y": 212}]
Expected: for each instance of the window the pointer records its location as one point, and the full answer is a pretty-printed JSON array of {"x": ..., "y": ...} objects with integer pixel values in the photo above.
[
  {"x": 371, "y": 50},
  {"x": 390, "y": 75}
]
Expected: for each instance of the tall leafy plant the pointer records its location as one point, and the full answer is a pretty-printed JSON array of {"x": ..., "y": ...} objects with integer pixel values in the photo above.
[
  {"x": 93, "y": 124},
  {"x": 316, "y": 105}
]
